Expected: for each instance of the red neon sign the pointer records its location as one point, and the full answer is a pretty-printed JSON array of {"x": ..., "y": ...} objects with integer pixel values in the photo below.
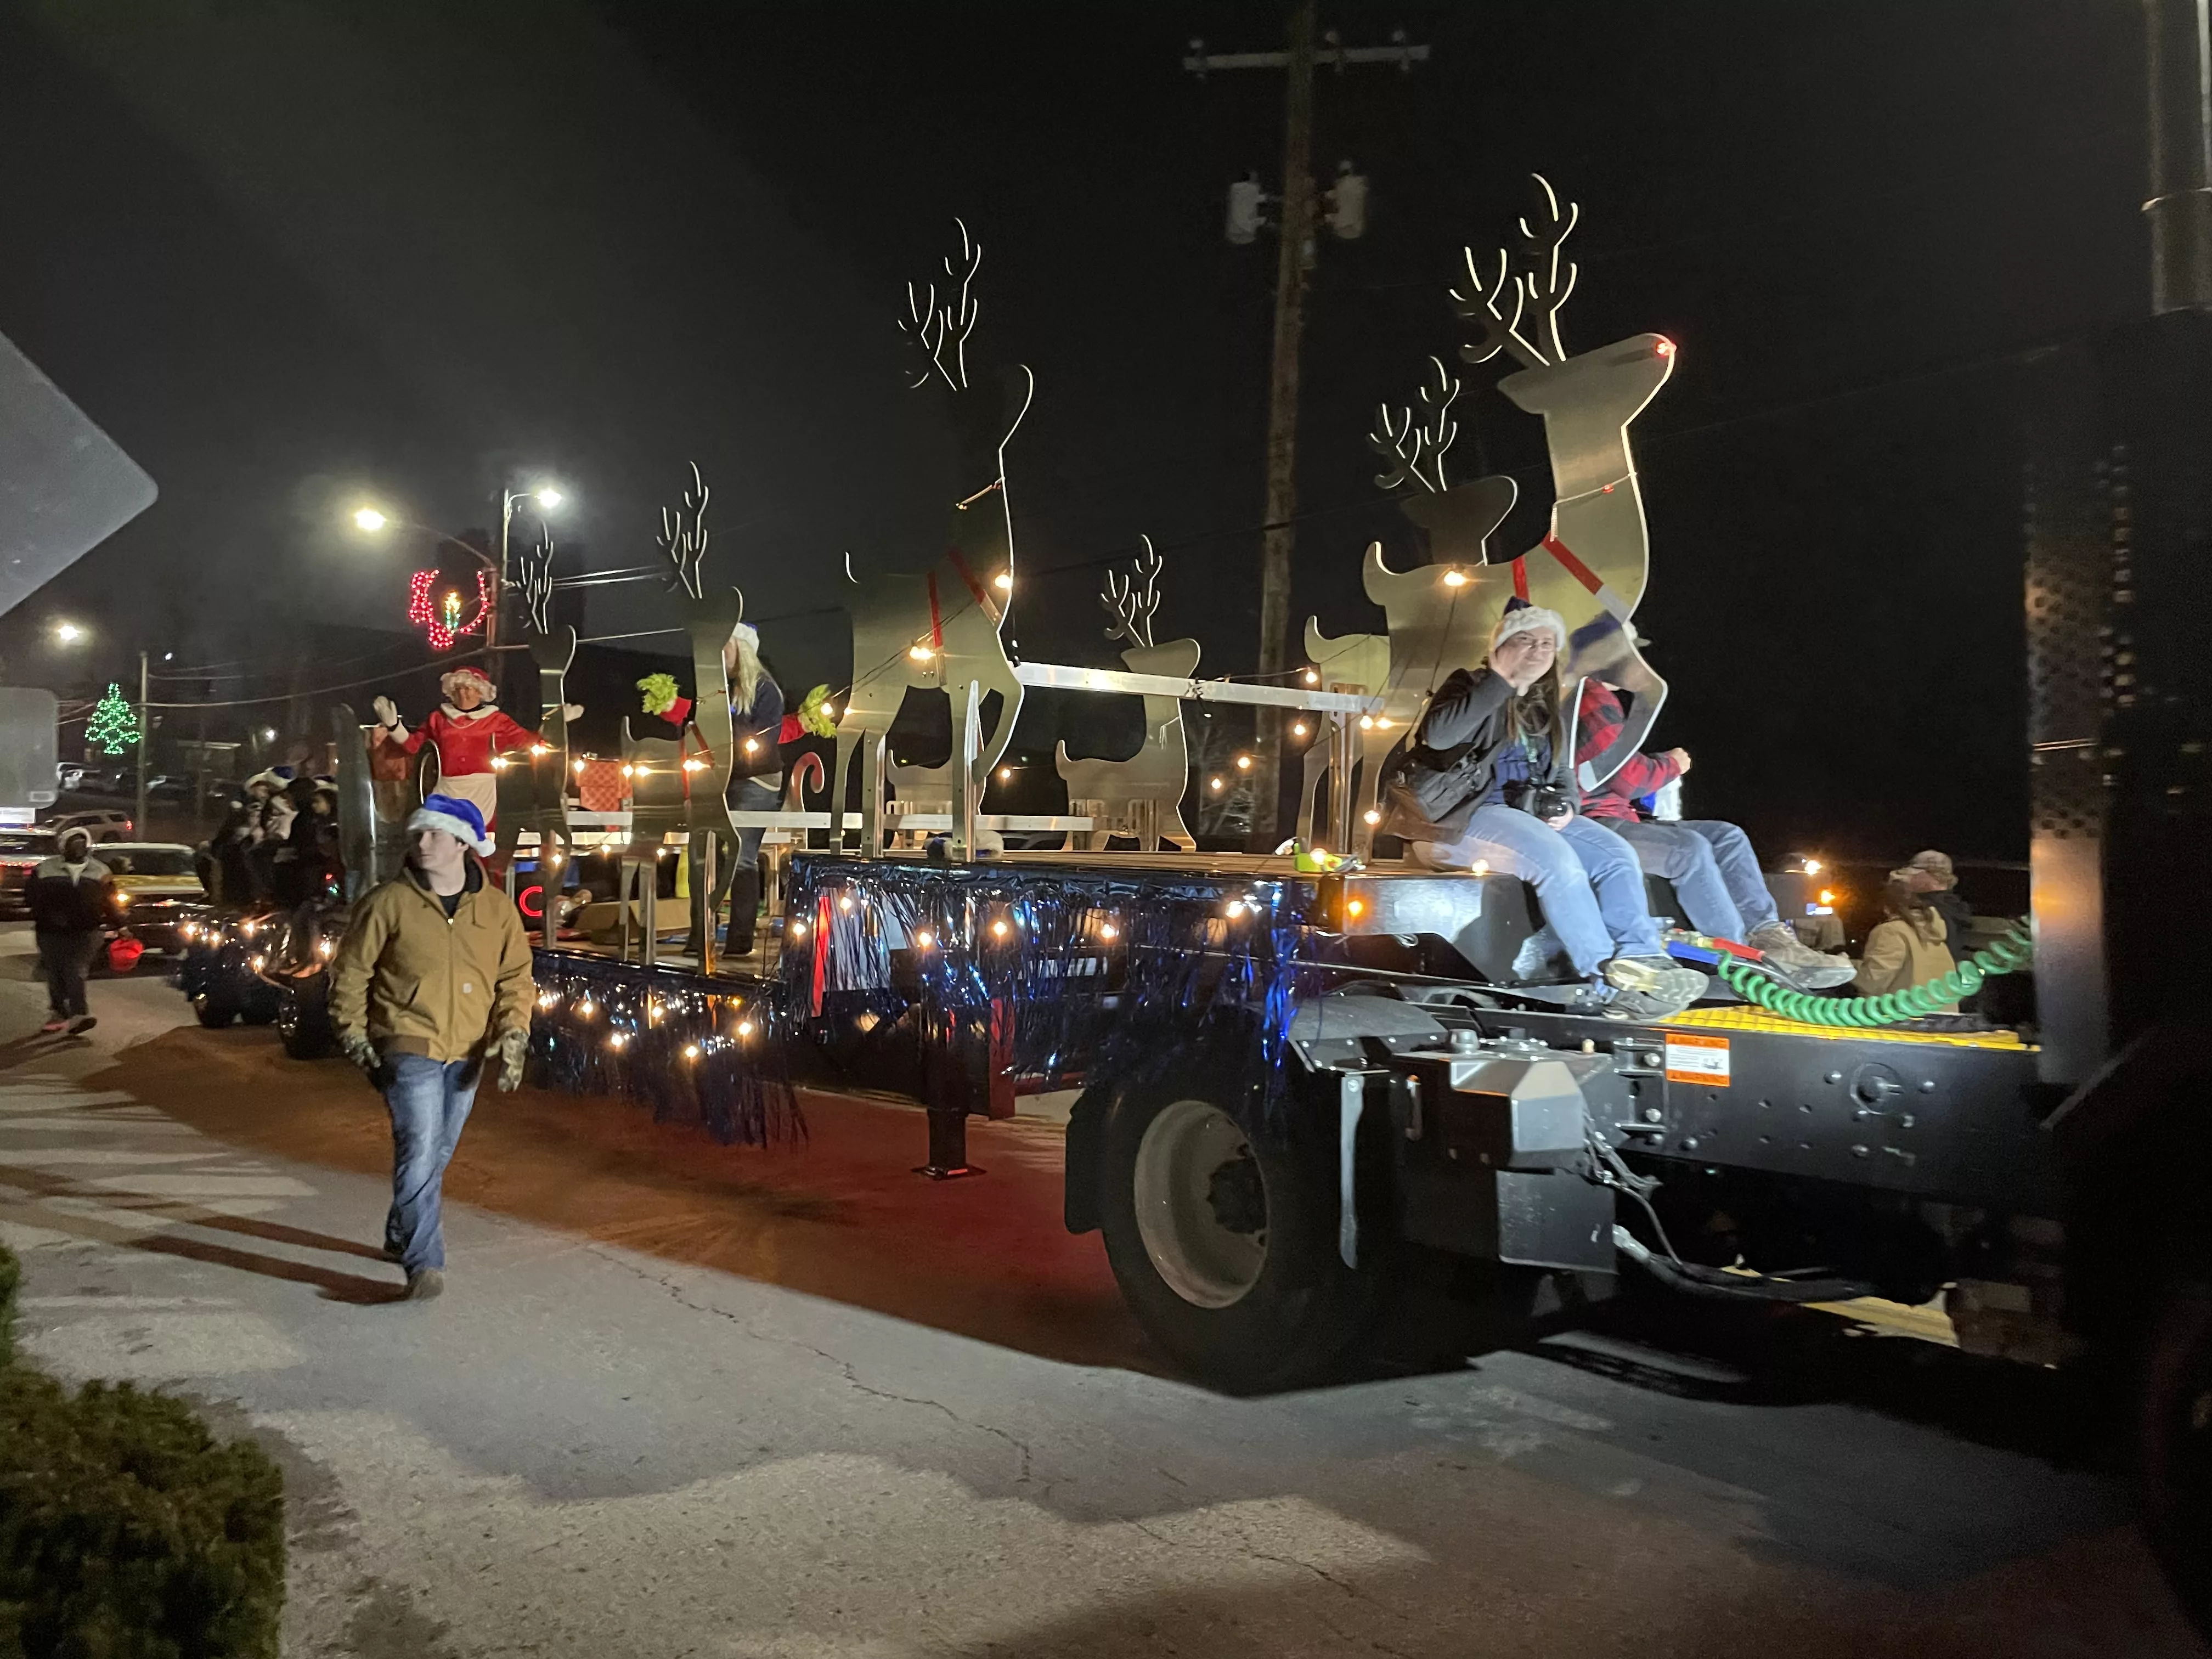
[
  {"x": 444, "y": 629},
  {"x": 529, "y": 896}
]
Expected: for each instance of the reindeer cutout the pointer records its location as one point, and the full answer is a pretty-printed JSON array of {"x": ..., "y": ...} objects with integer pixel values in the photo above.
[
  {"x": 1594, "y": 560},
  {"x": 681, "y": 786},
  {"x": 1438, "y": 615},
  {"x": 533, "y": 787},
  {"x": 1141, "y": 796},
  {"x": 941, "y": 630}
]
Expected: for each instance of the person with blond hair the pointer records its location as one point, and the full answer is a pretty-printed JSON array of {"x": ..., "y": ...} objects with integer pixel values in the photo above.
[{"x": 758, "y": 728}]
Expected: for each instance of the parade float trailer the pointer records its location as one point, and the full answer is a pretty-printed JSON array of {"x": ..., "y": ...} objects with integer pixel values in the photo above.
[{"x": 1303, "y": 1091}]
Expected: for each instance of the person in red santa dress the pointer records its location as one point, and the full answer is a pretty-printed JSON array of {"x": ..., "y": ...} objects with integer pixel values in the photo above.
[{"x": 467, "y": 732}]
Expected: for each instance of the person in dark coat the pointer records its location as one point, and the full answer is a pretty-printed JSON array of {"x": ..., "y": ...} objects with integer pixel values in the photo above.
[
  {"x": 232, "y": 841},
  {"x": 1489, "y": 779},
  {"x": 72, "y": 900},
  {"x": 309, "y": 858}
]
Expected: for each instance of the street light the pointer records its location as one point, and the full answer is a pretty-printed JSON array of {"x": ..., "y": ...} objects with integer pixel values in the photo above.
[
  {"x": 68, "y": 633},
  {"x": 375, "y": 522}
]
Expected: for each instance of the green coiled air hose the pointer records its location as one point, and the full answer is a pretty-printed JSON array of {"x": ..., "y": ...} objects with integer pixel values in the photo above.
[{"x": 2013, "y": 952}]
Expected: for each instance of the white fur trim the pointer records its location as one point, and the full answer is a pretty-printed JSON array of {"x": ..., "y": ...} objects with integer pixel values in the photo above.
[
  {"x": 1527, "y": 619},
  {"x": 422, "y": 818}
]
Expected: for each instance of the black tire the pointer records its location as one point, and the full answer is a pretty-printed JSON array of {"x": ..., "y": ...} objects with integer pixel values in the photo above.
[
  {"x": 260, "y": 1008},
  {"x": 303, "y": 1030},
  {"x": 1241, "y": 1283},
  {"x": 2174, "y": 1447},
  {"x": 216, "y": 1016}
]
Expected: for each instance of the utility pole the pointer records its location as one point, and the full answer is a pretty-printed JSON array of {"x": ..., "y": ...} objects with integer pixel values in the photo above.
[
  {"x": 1294, "y": 258},
  {"x": 145, "y": 727}
]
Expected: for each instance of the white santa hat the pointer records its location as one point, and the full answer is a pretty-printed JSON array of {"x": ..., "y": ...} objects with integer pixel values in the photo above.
[
  {"x": 1523, "y": 617},
  {"x": 447, "y": 681}
]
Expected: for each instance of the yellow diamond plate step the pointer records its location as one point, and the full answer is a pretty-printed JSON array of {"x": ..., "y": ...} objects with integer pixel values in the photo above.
[{"x": 1747, "y": 1017}]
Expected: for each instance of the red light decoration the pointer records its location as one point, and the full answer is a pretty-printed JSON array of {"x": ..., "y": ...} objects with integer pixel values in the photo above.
[
  {"x": 444, "y": 629},
  {"x": 1665, "y": 348}
]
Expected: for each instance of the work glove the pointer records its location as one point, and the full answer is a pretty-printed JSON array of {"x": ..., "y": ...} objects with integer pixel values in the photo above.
[
  {"x": 514, "y": 1049},
  {"x": 572, "y": 711},
  {"x": 356, "y": 1048}
]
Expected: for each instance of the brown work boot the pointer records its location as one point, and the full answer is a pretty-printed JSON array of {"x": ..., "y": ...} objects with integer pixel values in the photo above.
[
  {"x": 425, "y": 1283},
  {"x": 1796, "y": 964}
]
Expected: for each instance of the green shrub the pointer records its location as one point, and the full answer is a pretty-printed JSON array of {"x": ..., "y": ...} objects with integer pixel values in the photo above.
[{"x": 127, "y": 1532}]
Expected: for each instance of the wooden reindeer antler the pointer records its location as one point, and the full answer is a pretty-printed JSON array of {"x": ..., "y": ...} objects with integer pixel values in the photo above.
[
  {"x": 1416, "y": 451},
  {"x": 1539, "y": 295},
  {"x": 939, "y": 330},
  {"x": 1547, "y": 293},
  {"x": 536, "y": 583},
  {"x": 1132, "y": 606},
  {"x": 683, "y": 536}
]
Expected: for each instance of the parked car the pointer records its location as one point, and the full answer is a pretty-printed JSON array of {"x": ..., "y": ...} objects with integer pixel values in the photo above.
[
  {"x": 21, "y": 852},
  {"x": 158, "y": 891},
  {"x": 102, "y": 823}
]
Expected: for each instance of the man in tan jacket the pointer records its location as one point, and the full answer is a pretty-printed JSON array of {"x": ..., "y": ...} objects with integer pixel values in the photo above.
[{"x": 433, "y": 979}]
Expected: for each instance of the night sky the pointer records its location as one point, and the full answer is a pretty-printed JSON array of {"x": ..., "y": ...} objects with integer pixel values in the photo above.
[{"x": 291, "y": 254}]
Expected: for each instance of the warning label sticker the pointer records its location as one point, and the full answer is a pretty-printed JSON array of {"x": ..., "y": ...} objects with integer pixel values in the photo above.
[{"x": 1697, "y": 1059}]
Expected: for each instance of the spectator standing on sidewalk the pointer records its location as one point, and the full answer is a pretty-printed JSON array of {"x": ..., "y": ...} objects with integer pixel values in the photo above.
[
  {"x": 432, "y": 982},
  {"x": 72, "y": 900}
]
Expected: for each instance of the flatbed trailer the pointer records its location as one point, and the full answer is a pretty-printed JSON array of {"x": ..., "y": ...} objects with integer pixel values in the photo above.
[{"x": 1343, "y": 1023}]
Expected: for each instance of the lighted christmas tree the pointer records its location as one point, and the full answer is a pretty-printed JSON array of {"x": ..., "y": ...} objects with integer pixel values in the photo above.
[{"x": 112, "y": 728}]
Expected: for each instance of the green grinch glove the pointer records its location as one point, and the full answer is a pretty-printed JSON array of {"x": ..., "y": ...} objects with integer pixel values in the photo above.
[
  {"x": 356, "y": 1048},
  {"x": 660, "y": 693},
  {"x": 514, "y": 1049},
  {"x": 811, "y": 715}
]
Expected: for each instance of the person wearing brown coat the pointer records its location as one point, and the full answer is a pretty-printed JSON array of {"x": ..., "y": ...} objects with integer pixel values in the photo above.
[
  {"x": 1909, "y": 948},
  {"x": 433, "y": 980}
]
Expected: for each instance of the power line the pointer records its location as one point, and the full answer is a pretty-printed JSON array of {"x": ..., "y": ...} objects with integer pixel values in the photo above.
[{"x": 443, "y": 665}]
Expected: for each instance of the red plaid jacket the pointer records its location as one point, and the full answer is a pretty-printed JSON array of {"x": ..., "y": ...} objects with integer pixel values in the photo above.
[{"x": 1601, "y": 718}]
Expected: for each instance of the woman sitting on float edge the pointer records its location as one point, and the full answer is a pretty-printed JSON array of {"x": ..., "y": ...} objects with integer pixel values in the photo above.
[{"x": 1490, "y": 753}]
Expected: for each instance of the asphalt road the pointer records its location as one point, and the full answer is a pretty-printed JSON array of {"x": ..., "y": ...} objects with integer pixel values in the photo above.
[{"x": 689, "y": 1399}]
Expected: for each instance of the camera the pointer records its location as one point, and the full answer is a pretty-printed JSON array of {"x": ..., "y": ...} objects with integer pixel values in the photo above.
[{"x": 1542, "y": 801}]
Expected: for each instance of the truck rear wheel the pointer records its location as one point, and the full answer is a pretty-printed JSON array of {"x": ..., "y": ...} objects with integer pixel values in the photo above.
[
  {"x": 2174, "y": 1448},
  {"x": 1224, "y": 1242}
]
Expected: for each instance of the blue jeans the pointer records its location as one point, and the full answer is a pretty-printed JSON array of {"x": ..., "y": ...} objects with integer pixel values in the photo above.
[
  {"x": 1715, "y": 873},
  {"x": 1586, "y": 878},
  {"x": 750, "y": 795},
  {"x": 429, "y": 1102}
]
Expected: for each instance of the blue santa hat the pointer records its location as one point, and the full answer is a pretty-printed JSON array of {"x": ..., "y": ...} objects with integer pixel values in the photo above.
[{"x": 457, "y": 817}]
